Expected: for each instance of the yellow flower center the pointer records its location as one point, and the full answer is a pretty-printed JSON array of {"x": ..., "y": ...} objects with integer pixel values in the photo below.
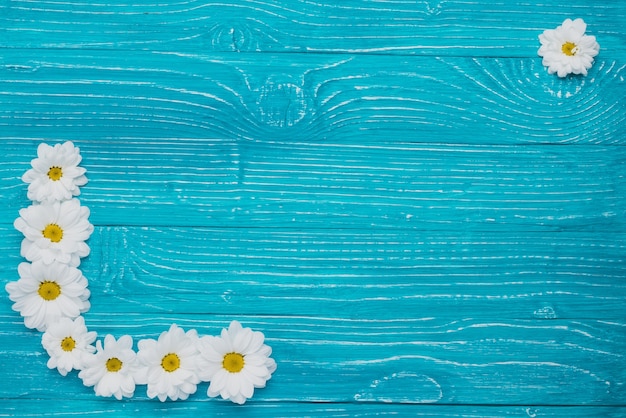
[
  {"x": 49, "y": 290},
  {"x": 114, "y": 364},
  {"x": 170, "y": 362},
  {"x": 233, "y": 362},
  {"x": 55, "y": 173},
  {"x": 53, "y": 232},
  {"x": 570, "y": 49},
  {"x": 68, "y": 344}
]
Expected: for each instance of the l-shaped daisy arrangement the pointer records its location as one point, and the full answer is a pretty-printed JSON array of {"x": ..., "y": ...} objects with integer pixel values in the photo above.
[{"x": 52, "y": 293}]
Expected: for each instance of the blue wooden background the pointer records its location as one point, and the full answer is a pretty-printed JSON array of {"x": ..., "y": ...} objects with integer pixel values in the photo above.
[{"x": 421, "y": 220}]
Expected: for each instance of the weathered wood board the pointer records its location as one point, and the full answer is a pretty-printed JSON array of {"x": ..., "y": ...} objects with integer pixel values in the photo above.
[{"x": 421, "y": 219}]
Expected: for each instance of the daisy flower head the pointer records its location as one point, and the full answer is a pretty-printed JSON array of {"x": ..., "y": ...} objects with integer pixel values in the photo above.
[
  {"x": 55, "y": 231},
  {"x": 235, "y": 363},
  {"x": 46, "y": 293},
  {"x": 55, "y": 175},
  {"x": 567, "y": 50},
  {"x": 111, "y": 370},
  {"x": 67, "y": 343},
  {"x": 169, "y": 364}
]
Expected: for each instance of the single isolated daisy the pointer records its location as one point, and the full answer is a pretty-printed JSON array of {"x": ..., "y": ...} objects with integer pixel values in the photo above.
[
  {"x": 169, "y": 365},
  {"x": 567, "y": 50},
  {"x": 55, "y": 231},
  {"x": 55, "y": 175},
  {"x": 46, "y": 293},
  {"x": 111, "y": 370},
  {"x": 67, "y": 343},
  {"x": 235, "y": 363}
]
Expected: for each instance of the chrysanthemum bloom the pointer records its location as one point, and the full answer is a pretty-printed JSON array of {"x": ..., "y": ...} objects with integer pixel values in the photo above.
[
  {"x": 55, "y": 175},
  {"x": 169, "y": 364},
  {"x": 235, "y": 363},
  {"x": 55, "y": 231},
  {"x": 46, "y": 293},
  {"x": 567, "y": 50},
  {"x": 111, "y": 370},
  {"x": 67, "y": 342}
]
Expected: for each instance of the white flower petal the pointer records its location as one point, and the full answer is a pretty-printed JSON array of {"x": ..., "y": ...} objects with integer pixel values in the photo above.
[{"x": 579, "y": 25}]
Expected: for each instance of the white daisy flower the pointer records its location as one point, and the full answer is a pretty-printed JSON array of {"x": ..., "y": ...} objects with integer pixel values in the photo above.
[
  {"x": 567, "y": 50},
  {"x": 235, "y": 363},
  {"x": 46, "y": 293},
  {"x": 111, "y": 370},
  {"x": 55, "y": 174},
  {"x": 67, "y": 342},
  {"x": 169, "y": 364},
  {"x": 55, "y": 231}
]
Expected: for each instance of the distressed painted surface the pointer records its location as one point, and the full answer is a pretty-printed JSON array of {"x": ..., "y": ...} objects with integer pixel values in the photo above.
[{"x": 421, "y": 220}]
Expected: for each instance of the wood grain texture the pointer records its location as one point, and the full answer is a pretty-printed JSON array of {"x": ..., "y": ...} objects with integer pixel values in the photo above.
[
  {"x": 466, "y": 28},
  {"x": 422, "y": 360},
  {"x": 347, "y": 98},
  {"x": 421, "y": 220},
  {"x": 354, "y": 273},
  {"x": 301, "y": 185}
]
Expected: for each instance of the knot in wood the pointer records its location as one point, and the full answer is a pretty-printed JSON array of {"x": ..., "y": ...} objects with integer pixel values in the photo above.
[{"x": 281, "y": 104}]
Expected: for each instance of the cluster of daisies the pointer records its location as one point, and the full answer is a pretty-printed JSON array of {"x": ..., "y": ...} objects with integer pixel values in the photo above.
[{"x": 52, "y": 293}]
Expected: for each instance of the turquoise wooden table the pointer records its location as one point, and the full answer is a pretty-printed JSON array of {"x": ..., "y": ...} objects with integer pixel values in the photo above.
[{"x": 420, "y": 219}]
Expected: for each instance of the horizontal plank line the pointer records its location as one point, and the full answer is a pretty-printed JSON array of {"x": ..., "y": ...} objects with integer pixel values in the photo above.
[{"x": 291, "y": 408}]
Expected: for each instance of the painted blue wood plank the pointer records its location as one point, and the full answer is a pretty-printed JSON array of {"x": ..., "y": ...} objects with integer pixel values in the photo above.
[
  {"x": 340, "y": 98},
  {"x": 486, "y": 28},
  {"x": 302, "y": 185},
  {"x": 352, "y": 273},
  {"x": 360, "y": 273},
  {"x": 336, "y": 360}
]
